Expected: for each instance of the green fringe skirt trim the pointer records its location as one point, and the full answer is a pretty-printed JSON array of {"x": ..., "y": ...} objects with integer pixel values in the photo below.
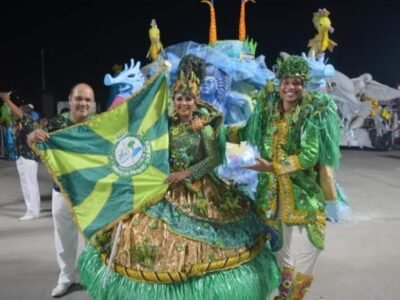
[{"x": 254, "y": 280}]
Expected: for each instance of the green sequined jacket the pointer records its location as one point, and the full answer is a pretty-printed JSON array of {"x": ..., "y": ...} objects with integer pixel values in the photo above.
[{"x": 295, "y": 142}]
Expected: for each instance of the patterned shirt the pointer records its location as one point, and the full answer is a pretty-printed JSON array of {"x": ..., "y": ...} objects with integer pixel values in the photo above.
[
  {"x": 58, "y": 122},
  {"x": 24, "y": 126}
]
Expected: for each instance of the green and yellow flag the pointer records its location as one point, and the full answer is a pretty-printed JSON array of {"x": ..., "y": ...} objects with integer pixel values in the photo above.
[{"x": 116, "y": 162}]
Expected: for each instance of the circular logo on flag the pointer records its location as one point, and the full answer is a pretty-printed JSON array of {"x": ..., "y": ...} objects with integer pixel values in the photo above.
[{"x": 131, "y": 155}]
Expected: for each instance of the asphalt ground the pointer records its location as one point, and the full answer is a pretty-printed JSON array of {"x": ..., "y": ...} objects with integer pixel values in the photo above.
[{"x": 361, "y": 259}]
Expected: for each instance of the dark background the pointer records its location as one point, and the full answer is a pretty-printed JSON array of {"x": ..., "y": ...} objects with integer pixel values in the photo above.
[{"x": 82, "y": 40}]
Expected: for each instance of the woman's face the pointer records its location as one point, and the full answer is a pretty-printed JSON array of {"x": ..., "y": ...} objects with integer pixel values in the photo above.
[
  {"x": 184, "y": 105},
  {"x": 291, "y": 89}
]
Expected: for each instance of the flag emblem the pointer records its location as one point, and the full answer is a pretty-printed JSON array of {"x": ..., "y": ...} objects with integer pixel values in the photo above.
[{"x": 131, "y": 155}]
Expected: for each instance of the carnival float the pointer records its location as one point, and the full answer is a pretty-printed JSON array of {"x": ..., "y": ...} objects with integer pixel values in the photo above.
[{"x": 234, "y": 74}]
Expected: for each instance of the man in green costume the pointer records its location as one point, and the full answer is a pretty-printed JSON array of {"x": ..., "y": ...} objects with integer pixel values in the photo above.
[{"x": 297, "y": 133}]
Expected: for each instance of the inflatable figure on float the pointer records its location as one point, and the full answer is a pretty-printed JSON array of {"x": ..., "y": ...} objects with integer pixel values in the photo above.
[
  {"x": 129, "y": 80},
  {"x": 126, "y": 81},
  {"x": 363, "y": 104},
  {"x": 321, "y": 42},
  {"x": 365, "y": 107},
  {"x": 156, "y": 46},
  {"x": 382, "y": 121}
]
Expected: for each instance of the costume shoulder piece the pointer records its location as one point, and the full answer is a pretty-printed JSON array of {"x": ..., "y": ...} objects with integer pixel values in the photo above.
[
  {"x": 319, "y": 110},
  {"x": 265, "y": 101},
  {"x": 207, "y": 114},
  {"x": 318, "y": 102}
]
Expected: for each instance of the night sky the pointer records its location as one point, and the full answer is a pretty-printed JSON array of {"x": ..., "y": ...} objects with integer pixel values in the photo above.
[{"x": 82, "y": 40}]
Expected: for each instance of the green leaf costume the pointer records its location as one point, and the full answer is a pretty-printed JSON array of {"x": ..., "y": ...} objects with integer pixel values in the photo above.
[{"x": 296, "y": 142}]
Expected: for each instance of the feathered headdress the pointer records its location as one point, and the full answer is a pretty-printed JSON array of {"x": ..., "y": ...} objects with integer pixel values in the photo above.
[
  {"x": 191, "y": 70},
  {"x": 187, "y": 85}
]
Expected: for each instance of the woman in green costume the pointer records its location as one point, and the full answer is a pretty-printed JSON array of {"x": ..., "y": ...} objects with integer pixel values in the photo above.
[
  {"x": 297, "y": 133},
  {"x": 202, "y": 241}
]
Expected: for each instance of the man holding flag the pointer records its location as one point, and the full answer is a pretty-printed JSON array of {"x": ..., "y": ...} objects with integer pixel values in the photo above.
[
  {"x": 81, "y": 103},
  {"x": 105, "y": 167}
]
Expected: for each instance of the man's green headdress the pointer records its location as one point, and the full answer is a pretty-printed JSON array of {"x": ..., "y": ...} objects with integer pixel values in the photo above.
[{"x": 293, "y": 65}]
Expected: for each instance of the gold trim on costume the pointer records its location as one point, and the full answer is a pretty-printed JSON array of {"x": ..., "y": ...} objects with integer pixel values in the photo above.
[
  {"x": 292, "y": 165},
  {"x": 289, "y": 214},
  {"x": 195, "y": 270},
  {"x": 233, "y": 135},
  {"x": 300, "y": 285}
]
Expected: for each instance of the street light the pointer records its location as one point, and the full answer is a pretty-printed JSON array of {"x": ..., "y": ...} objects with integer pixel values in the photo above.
[{"x": 43, "y": 71}]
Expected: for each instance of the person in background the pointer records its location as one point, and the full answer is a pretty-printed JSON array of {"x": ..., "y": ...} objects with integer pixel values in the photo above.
[
  {"x": 6, "y": 121},
  {"x": 27, "y": 161}
]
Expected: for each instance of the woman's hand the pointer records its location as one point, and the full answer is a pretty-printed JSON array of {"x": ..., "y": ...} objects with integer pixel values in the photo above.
[
  {"x": 261, "y": 165},
  {"x": 37, "y": 135},
  {"x": 177, "y": 177}
]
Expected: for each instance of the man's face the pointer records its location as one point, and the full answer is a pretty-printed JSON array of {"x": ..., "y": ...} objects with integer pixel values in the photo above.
[
  {"x": 291, "y": 89},
  {"x": 81, "y": 102}
]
